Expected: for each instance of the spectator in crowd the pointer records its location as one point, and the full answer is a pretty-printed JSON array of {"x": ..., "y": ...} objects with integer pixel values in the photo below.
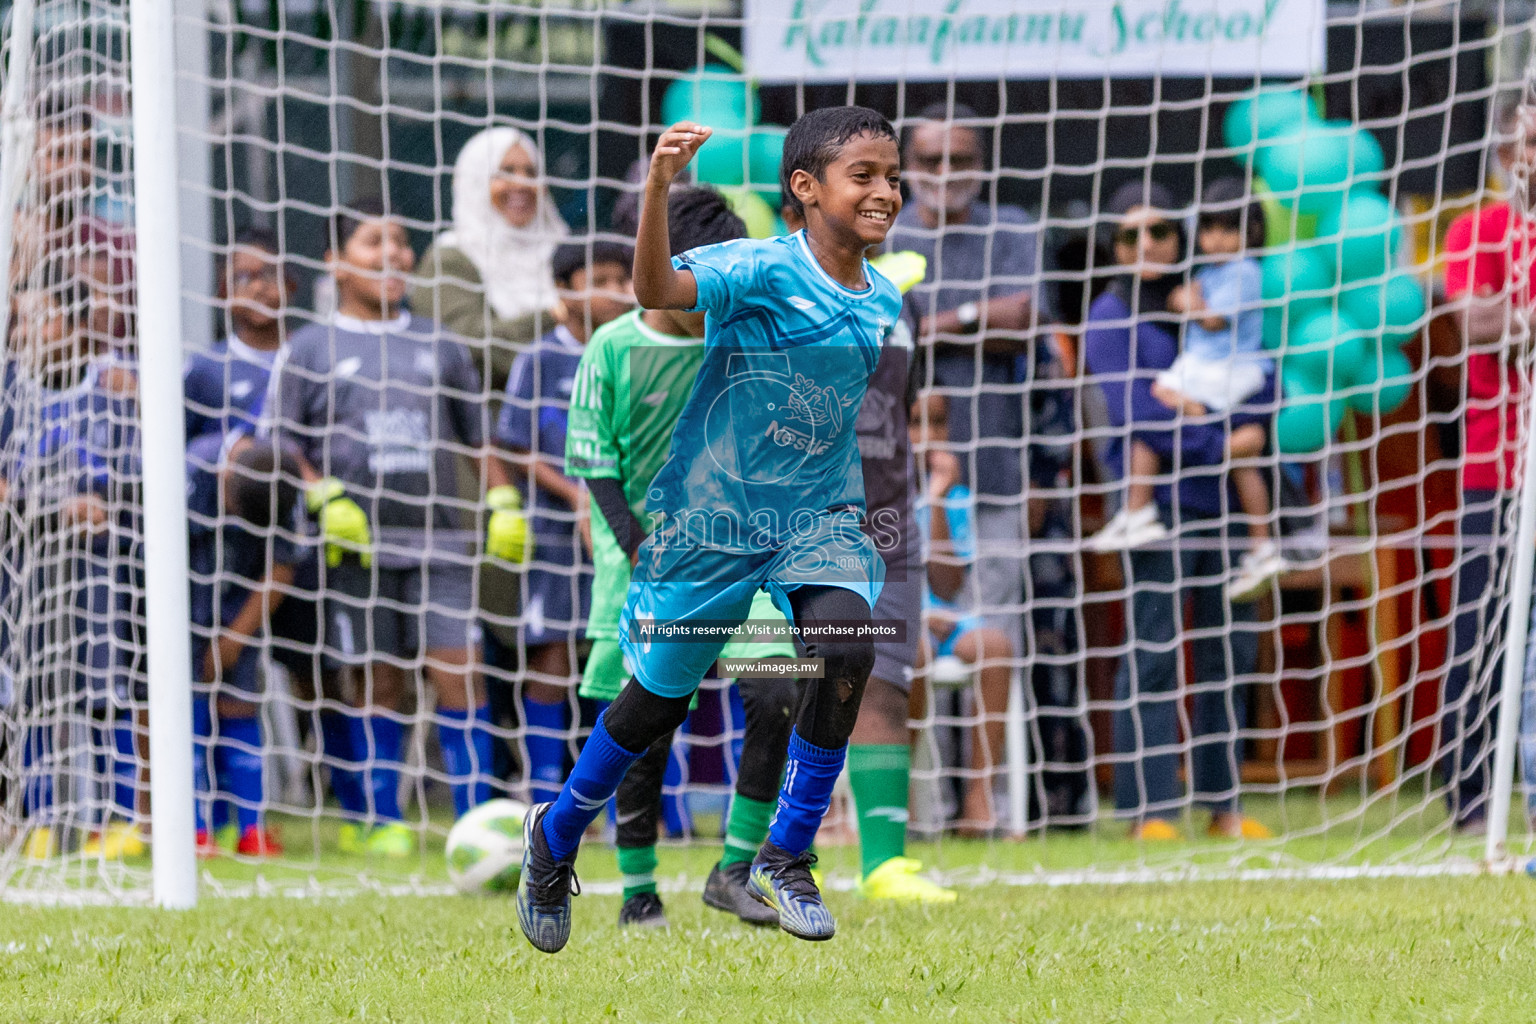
[
  {"x": 977, "y": 304},
  {"x": 63, "y": 224},
  {"x": 1221, "y": 363},
  {"x": 488, "y": 277},
  {"x": 69, "y": 479},
  {"x": 488, "y": 280},
  {"x": 1130, "y": 338},
  {"x": 226, "y": 387},
  {"x": 1488, "y": 278},
  {"x": 594, "y": 289},
  {"x": 244, "y": 517},
  {"x": 959, "y": 635},
  {"x": 379, "y": 402}
]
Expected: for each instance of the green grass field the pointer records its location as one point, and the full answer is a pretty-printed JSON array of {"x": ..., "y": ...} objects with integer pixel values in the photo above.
[
  {"x": 1398, "y": 949},
  {"x": 1459, "y": 949}
]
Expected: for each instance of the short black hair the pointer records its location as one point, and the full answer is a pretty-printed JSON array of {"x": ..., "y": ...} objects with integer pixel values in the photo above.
[
  {"x": 945, "y": 112},
  {"x": 574, "y": 256},
  {"x": 347, "y": 219},
  {"x": 263, "y": 239},
  {"x": 697, "y": 215},
  {"x": 1227, "y": 203},
  {"x": 262, "y": 485},
  {"x": 813, "y": 143}
]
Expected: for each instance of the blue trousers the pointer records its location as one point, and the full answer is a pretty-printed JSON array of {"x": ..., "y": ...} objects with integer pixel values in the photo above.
[
  {"x": 1175, "y": 592},
  {"x": 1468, "y": 705}
]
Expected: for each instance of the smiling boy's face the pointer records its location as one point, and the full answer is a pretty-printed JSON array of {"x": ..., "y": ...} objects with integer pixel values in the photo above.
[
  {"x": 858, "y": 196},
  {"x": 373, "y": 265}
]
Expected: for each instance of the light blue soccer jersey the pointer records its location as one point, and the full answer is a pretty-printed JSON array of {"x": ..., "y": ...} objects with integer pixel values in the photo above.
[{"x": 766, "y": 442}]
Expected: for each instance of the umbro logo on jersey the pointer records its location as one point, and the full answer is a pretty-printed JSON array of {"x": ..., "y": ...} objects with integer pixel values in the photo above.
[
  {"x": 347, "y": 367},
  {"x": 654, "y": 399},
  {"x": 426, "y": 362},
  {"x": 804, "y": 305},
  {"x": 240, "y": 388}
]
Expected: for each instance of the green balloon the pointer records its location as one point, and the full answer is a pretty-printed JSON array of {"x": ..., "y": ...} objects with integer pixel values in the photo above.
[
  {"x": 1308, "y": 425},
  {"x": 1264, "y": 115},
  {"x": 1297, "y": 283},
  {"x": 1366, "y": 231},
  {"x": 765, "y": 151},
  {"x": 1309, "y": 168},
  {"x": 1308, "y": 352},
  {"x": 714, "y": 95}
]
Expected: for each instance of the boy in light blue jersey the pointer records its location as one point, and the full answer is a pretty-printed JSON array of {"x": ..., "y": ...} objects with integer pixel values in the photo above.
[{"x": 763, "y": 489}]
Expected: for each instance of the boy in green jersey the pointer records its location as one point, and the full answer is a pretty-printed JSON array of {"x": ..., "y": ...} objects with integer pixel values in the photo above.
[{"x": 636, "y": 375}]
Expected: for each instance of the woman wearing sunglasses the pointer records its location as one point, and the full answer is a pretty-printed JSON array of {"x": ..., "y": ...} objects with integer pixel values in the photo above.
[{"x": 1130, "y": 338}]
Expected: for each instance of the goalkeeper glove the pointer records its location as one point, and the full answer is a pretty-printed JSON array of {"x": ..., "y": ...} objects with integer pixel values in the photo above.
[
  {"x": 506, "y": 532},
  {"x": 343, "y": 523},
  {"x": 905, "y": 269}
]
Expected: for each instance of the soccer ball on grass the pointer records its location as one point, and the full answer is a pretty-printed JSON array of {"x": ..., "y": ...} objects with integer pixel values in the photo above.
[{"x": 485, "y": 847}]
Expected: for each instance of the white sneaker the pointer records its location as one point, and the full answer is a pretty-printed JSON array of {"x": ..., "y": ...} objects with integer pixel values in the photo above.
[
  {"x": 1143, "y": 527},
  {"x": 1128, "y": 529},
  {"x": 1257, "y": 568}
]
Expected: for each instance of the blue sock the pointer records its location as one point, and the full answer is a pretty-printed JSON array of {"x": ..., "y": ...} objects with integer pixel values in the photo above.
[
  {"x": 202, "y": 787},
  {"x": 381, "y": 759},
  {"x": 466, "y": 755},
  {"x": 125, "y": 770},
  {"x": 737, "y": 724},
  {"x": 674, "y": 801},
  {"x": 336, "y": 745},
  {"x": 238, "y": 762},
  {"x": 546, "y": 753},
  {"x": 809, "y": 776},
  {"x": 593, "y": 781}
]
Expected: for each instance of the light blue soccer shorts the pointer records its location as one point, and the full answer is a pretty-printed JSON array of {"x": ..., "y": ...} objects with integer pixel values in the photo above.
[{"x": 684, "y": 586}]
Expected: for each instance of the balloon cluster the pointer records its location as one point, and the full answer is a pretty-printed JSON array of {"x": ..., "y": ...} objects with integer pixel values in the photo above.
[
  {"x": 742, "y": 158},
  {"x": 1336, "y": 310}
]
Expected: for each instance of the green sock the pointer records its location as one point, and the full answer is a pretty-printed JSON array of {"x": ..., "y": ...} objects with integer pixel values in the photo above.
[
  {"x": 638, "y": 866},
  {"x": 879, "y": 775},
  {"x": 745, "y": 830}
]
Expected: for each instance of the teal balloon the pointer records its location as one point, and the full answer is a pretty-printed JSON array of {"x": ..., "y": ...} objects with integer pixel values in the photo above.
[
  {"x": 1356, "y": 368},
  {"x": 1396, "y": 308},
  {"x": 1366, "y": 231},
  {"x": 1366, "y": 156},
  {"x": 1308, "y": 351},
  {"x": 1396, "y": 381},
  {"x": 714, "y": 95},
  {"x": 1297, "y": 283},
  {"x": 765, "y": 151},
  {"x": 722, "y": 160},
  {"x": 1308, "y": 425},
  {"x": 1309, "y": 168},
  {"x": 1265, "y": 115},
  {"x": 1404, "y": 309}
]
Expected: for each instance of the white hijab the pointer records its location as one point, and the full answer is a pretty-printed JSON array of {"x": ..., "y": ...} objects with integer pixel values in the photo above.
[{"x": 514, "y": 263}]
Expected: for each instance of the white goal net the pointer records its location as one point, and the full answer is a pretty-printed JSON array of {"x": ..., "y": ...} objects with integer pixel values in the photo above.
[{"x": 1246, "y": 611}]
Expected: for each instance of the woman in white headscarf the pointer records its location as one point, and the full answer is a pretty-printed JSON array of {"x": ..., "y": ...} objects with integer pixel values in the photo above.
[{"x": 488, "y": 277}]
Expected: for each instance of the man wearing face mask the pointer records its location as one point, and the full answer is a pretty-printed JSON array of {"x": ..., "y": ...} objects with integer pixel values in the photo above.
[{"x": 978, "y": 306}]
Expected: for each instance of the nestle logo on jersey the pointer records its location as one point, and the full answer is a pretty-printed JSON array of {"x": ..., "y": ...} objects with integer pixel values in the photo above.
[{"x": 788, "y": 437}]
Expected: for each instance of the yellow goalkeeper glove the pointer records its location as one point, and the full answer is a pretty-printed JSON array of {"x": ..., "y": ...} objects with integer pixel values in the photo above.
[
  {"x": 905, "y": 269},
  {"x": 343, "y": 523},
  {"x": 506, "y": 532}
]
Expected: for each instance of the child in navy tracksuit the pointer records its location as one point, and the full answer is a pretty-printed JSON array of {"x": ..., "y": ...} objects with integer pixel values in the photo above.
[{"x": 69, "y": 479}]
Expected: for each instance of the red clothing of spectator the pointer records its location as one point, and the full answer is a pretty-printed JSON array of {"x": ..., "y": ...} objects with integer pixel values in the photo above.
[{"x": 1487, "y": 248}]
